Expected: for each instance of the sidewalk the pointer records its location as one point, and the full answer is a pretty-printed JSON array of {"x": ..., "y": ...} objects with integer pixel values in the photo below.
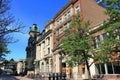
[{"x": 23, "y": 78}]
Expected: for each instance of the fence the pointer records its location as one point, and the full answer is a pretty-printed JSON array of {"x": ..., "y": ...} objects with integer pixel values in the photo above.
[{"x": 50, "y": 76}]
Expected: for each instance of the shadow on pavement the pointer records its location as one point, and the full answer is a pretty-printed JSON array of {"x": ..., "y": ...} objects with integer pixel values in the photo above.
[{"x": 7, "y": 77}]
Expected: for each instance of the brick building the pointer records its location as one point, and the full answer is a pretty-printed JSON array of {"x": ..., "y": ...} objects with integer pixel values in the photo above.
[
  {"x": 48, "y": 52},
  {"x": 88, "y": 10}
]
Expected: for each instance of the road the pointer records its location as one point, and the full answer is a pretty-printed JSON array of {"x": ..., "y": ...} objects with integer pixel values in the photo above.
[{"x": 10, "y": 77}]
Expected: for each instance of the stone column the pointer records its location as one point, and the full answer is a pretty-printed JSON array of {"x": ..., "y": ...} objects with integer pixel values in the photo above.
[
  {"x": 106, "y": 69},
  {"x": 50, "y": 65}
]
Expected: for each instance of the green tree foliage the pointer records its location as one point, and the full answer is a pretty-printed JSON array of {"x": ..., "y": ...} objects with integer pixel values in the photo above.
[
  {"x": 111, "y": 44},
  {"x": 77, "y": 43},
  {"x": 13, "y": 64},
  {"x": 8, "y": 25},
  {"x": 113, "y": 10},
  {"x": 3, "y": 50}
]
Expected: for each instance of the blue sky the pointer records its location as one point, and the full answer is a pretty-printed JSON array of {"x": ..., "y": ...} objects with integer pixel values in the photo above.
[{"x": 30, "y": 12}]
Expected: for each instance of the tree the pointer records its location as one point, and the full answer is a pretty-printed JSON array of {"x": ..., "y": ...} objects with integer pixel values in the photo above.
[
  {"x": 8, "y": 25},
  {"x": 111, "y": 44},
  {"x": 3, "y": 49},
  {"x": 13, "y": 65},
  {"x": 76, "y": 43}
]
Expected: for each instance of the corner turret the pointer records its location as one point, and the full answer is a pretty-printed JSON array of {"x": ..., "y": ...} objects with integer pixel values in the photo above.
[
  {"x": 34, "y": 28},
  {"x": 34, "y": 31}
]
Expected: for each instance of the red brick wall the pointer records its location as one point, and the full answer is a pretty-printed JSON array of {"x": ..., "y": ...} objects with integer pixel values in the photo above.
[{"x": 93, "y": 12}]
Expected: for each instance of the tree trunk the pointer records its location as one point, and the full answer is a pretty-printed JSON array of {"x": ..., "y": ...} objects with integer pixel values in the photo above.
[
  {"x": 88, "y": 69},
  {"x": 78, "y": 71},
  {"x": 87, "y": 65}
]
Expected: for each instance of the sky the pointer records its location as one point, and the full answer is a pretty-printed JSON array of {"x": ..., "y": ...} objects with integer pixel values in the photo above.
[{"x": 30, "y": 12}]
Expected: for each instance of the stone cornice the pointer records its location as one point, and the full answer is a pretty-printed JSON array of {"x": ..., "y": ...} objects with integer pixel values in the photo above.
[
  {"x": 64, "y": 8},
  {"x": 43, "y": 36}
]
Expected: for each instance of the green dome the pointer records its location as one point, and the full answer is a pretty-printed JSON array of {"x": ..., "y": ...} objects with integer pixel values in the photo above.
[{"x": 35, "y": 28}]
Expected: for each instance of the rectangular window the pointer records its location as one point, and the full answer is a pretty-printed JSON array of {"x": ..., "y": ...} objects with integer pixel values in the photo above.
[
  {"x": 119, "y": 32},
  {"x": 97, "y": 41},
  {"x": 48, "y": 40},
  {"x": 68, "y": 14},
  {"x": 67, "y": 25},
  {"x": 37, "y": 64},
  {"x": 104, "y": 35},
  {"x": 117, "y": 67},
  {"x": 48, "y": 50},
  {"x": 43, "y": 44},
  {"x": 65, "y": 17},
  {"x": 59, "y": 21},
  {"x": 57, "y": 32},
  {"x": 101, "y": 69},
  {"x": 119, "y": 29},
  {"x": 77, "y": 9},
  {"x": 60, "y": 30},
  {"x": 40, "y": 47}
]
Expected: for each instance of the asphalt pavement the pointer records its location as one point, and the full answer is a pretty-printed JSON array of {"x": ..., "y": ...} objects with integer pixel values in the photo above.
[{"x": 11, "y": 77}]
